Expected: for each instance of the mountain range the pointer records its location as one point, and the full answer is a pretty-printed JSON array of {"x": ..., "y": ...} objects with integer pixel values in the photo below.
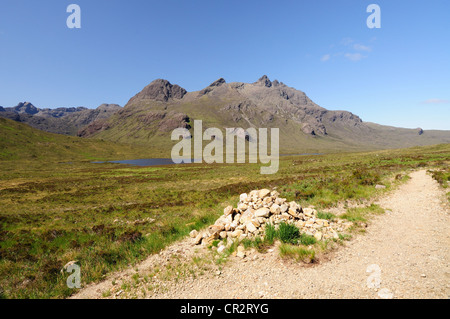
[
  {"x": 62, "y": 120},
  {"x": 149, "y": 117}
]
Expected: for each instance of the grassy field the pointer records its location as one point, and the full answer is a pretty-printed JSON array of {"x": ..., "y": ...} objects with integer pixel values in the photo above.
[{"x": 109, "y": 216}]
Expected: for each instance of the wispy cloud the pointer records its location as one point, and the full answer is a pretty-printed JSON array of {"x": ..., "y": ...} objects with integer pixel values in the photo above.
[
  {"x": 325, "y": 58},
  {"x": 347, "y": 41},
  {"x": 354, "y": 56},
  {"x": 349, "y": 49},
  {"x": 436, "y": 101},
  {"x": 361, "y": 47}
]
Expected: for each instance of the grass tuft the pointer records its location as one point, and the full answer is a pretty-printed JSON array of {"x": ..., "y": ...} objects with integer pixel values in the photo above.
[{"x": 297, "y": 253}]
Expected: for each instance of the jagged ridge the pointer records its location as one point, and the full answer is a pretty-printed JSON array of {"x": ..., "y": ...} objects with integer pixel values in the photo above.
[{"x": 304, "y": 125}]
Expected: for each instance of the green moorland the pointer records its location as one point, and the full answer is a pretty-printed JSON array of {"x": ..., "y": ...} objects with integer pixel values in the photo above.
[{"x": 57, "y": 206}]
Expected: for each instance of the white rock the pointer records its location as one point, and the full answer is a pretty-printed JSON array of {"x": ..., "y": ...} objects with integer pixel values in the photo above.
[
  {"x": 308, "y": 211},
  {"x": 242, "y": 206},
  {"x": 262, "y": 212},
  {"x": 253, "y": 193},
  {"x": 250, "y": 227},
  {"x": 292, "y": 212},
  {"x": 193, "y": 233},
  {"x": 263, "y": 193},
  {"x": 275, "y": 209},
  {"x": 220, "y": 249},
  {"x": 294, "y": 205},
  {"x": 318, "y": 235},
  {"x": 198, "y": 239},
  {"x": 221, "y": 221},
  {"x": 257, "y": 222},
  {"x": 237, "y": 233},
  {"x": 229, "y": 219},
  {"x": 228, "y": 210},
  {"x": 240, "y": 252},
  {"x": 274, "y": 194}
]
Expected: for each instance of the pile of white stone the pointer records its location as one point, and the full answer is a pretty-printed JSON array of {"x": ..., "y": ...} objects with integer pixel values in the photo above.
[{"x": 260, "y": 207}]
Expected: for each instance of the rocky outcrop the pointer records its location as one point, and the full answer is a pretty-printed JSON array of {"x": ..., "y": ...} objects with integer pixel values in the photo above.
[
  {"x": 173, "y": 121},
  {"x": 165, "y": 121},
  {"x": 261, "y": 207},
  {"x": 308, "y": 129},
  {"x": 343, "y": 117},
  {"x": 95, "y": 127}
]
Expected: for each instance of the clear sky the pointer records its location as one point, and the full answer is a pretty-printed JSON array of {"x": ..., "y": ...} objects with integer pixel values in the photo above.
[{"x": 397, "y": 75}]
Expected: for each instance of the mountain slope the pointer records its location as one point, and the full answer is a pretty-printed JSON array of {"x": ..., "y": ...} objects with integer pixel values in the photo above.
[
  {"x": 63, "y": 120},
  {"x": 19, "y": 141},
  {"x": 150, "y": 116}
]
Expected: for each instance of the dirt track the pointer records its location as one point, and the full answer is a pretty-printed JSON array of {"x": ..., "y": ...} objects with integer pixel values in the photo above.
[{"x": 406, "y": 252}]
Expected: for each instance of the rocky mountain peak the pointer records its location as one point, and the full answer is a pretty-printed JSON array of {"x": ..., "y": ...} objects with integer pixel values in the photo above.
[
  {"x": 26, "y": 107},
  {"x": 264, "y": 81},
  {"x": 160, "y": 90},
  {"x": 218, "y": 82},
  {"x": 212, "y": 86}
]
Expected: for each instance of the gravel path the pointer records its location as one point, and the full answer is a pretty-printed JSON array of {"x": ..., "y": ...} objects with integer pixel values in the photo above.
[{"x": 403, "y": 254}]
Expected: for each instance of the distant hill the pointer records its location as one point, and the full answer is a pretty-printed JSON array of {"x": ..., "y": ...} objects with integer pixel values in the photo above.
[
  {"x": 62, "y": 120},
  {"x": 19, "y": 141},
  {"x": 149, "y": 117}
]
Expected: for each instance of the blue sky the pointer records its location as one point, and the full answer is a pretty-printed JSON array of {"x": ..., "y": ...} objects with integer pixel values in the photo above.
[{"x": 397, "y": 75}]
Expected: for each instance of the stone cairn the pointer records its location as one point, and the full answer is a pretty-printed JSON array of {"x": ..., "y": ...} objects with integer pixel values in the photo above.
[{"x": 260, "y": 207}]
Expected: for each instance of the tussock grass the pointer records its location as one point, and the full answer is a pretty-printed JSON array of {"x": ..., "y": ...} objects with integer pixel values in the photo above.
[
  {"x": 360, "y": 214},
  {"x": 270, "y": 233},
  {"x": 288, "y": 233},
  {"x": 297, "y": 253},
  {"x": 442, "y": 175},
  {"x": 327, "y": 216}
]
